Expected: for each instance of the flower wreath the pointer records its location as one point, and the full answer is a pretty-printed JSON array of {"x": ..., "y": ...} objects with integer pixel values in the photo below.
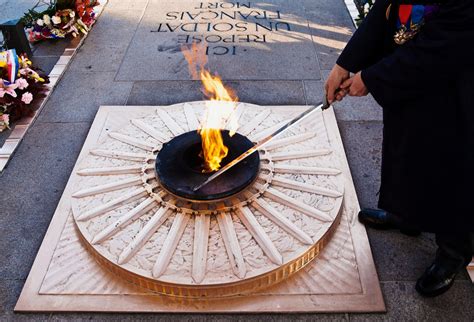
[
  {"x": 55, "y": 23},
  {"x": 20, "y": 85}
]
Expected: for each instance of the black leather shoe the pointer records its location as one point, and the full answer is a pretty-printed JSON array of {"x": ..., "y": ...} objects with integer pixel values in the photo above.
[
  {"x": 382, "y": 220},
  {"x": 439, "y": 277}
]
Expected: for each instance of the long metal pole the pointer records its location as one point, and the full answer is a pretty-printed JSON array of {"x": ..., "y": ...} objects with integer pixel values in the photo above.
[{"x": 322, "y": 106}]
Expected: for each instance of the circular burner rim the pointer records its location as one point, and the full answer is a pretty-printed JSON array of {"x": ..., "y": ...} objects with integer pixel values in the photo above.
[{"x": 245, "y": 173}]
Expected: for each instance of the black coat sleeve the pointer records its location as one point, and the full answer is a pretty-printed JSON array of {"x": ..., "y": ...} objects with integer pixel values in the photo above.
[
  {"x": 435, "y": 58},
  {"x": 366, "y": 46}
]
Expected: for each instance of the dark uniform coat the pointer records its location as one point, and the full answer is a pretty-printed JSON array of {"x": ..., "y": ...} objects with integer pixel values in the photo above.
[{"x": 426, "y": 90}]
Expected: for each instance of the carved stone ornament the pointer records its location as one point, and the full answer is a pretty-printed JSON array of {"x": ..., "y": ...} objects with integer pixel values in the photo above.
[{"x": 173, "y": 246}]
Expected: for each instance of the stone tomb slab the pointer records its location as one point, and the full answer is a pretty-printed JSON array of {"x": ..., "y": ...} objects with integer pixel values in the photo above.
[
  {"x": 66, "y": 275},
  {"x": 257, "y": 40}
]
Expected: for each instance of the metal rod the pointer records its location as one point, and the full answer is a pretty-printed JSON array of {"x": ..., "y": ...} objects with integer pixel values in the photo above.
[{"x": 263, "y": 142}]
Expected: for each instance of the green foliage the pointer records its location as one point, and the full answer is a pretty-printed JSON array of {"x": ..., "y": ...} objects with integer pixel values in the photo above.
[
  {"x": 32, "y": 15},
  {"x": 45, "y": 8},
  {"x": 363, "y": 6}
]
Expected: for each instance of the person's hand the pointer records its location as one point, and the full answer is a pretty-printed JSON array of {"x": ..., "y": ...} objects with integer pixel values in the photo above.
[
  {"x": 336, "y": 77},
  {"x": 355, "y": 86}
]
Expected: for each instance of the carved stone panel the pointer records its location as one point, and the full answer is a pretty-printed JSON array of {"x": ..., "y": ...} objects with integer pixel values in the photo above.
[{"x": 116, "y": 233}]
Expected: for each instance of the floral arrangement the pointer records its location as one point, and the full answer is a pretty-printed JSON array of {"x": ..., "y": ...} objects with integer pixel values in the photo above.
[
  {"x": 363, "y": 6},
  {"x": 60, "y": 19},
  {"x": 4, "y": 118},
  {"x": 20, "y": 84}
]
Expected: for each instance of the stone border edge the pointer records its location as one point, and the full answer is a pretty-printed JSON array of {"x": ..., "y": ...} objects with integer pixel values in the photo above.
[{"x": 353, "y": 12}]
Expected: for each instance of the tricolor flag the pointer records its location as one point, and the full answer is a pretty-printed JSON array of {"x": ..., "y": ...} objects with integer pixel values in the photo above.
[{"x": 9, "y": 60}]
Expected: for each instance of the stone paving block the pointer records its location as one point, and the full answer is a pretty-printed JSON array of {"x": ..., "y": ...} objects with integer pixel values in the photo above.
[
  {"x": 5, "y": 290},
  {"x": 350, "y": 108},
  {"x": 404, "y": 304},
  {"x": 165, "y": 92},
  {"x": 13, "y": 317},
  {"x": 237, "y": 48},
  {"x": 331, "y": 28},
  {"x": 31, "y": 187},
  {"x": 46, "y": 63},
  {"x": 126, "y": 4},
  {"x": 261, "y": 92},
  {"x": 359, "y": 108},
  {"x": 411, "y": 255},
  {"x": 104, "y": 48},
  {"x": 14, "y": 9},
  {"x": 10, "y": 290},
  {"x": 97, "y": 58},
  {"x": 270, "y": 92},
  {"x": 114, "y": 27},
  {"x": 329, "y": 41},
  {"x": 54, "y": 47},
  {"x": 79, "y": 95},
  {"x": 327, "y": 56},
  {"x": 329, "y": 13},
  {"x": 20, "y": 241}
]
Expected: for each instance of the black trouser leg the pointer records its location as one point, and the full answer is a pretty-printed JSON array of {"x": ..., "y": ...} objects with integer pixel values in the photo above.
[
  {"x": 456, "y": 248},
  {"x": 454, "y": 253}
]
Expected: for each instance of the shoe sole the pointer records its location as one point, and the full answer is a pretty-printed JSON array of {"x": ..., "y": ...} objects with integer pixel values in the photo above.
[
  {"x": 377, "y": 226},
  {"x": 411, "y": 233},
  {"x": 389, "y": 227}
]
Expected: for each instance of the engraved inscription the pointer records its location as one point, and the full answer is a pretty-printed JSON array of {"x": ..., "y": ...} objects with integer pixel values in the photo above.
[{"x": 223, "y": 26}]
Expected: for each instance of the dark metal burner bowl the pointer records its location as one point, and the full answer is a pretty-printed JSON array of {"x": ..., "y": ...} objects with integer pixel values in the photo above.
[{"x": 179, "y": 167}]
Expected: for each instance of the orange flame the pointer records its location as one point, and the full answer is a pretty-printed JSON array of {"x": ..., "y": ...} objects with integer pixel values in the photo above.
[
  {"x": 218, "y": 115},
  {"x": 219, "y": 110}
]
